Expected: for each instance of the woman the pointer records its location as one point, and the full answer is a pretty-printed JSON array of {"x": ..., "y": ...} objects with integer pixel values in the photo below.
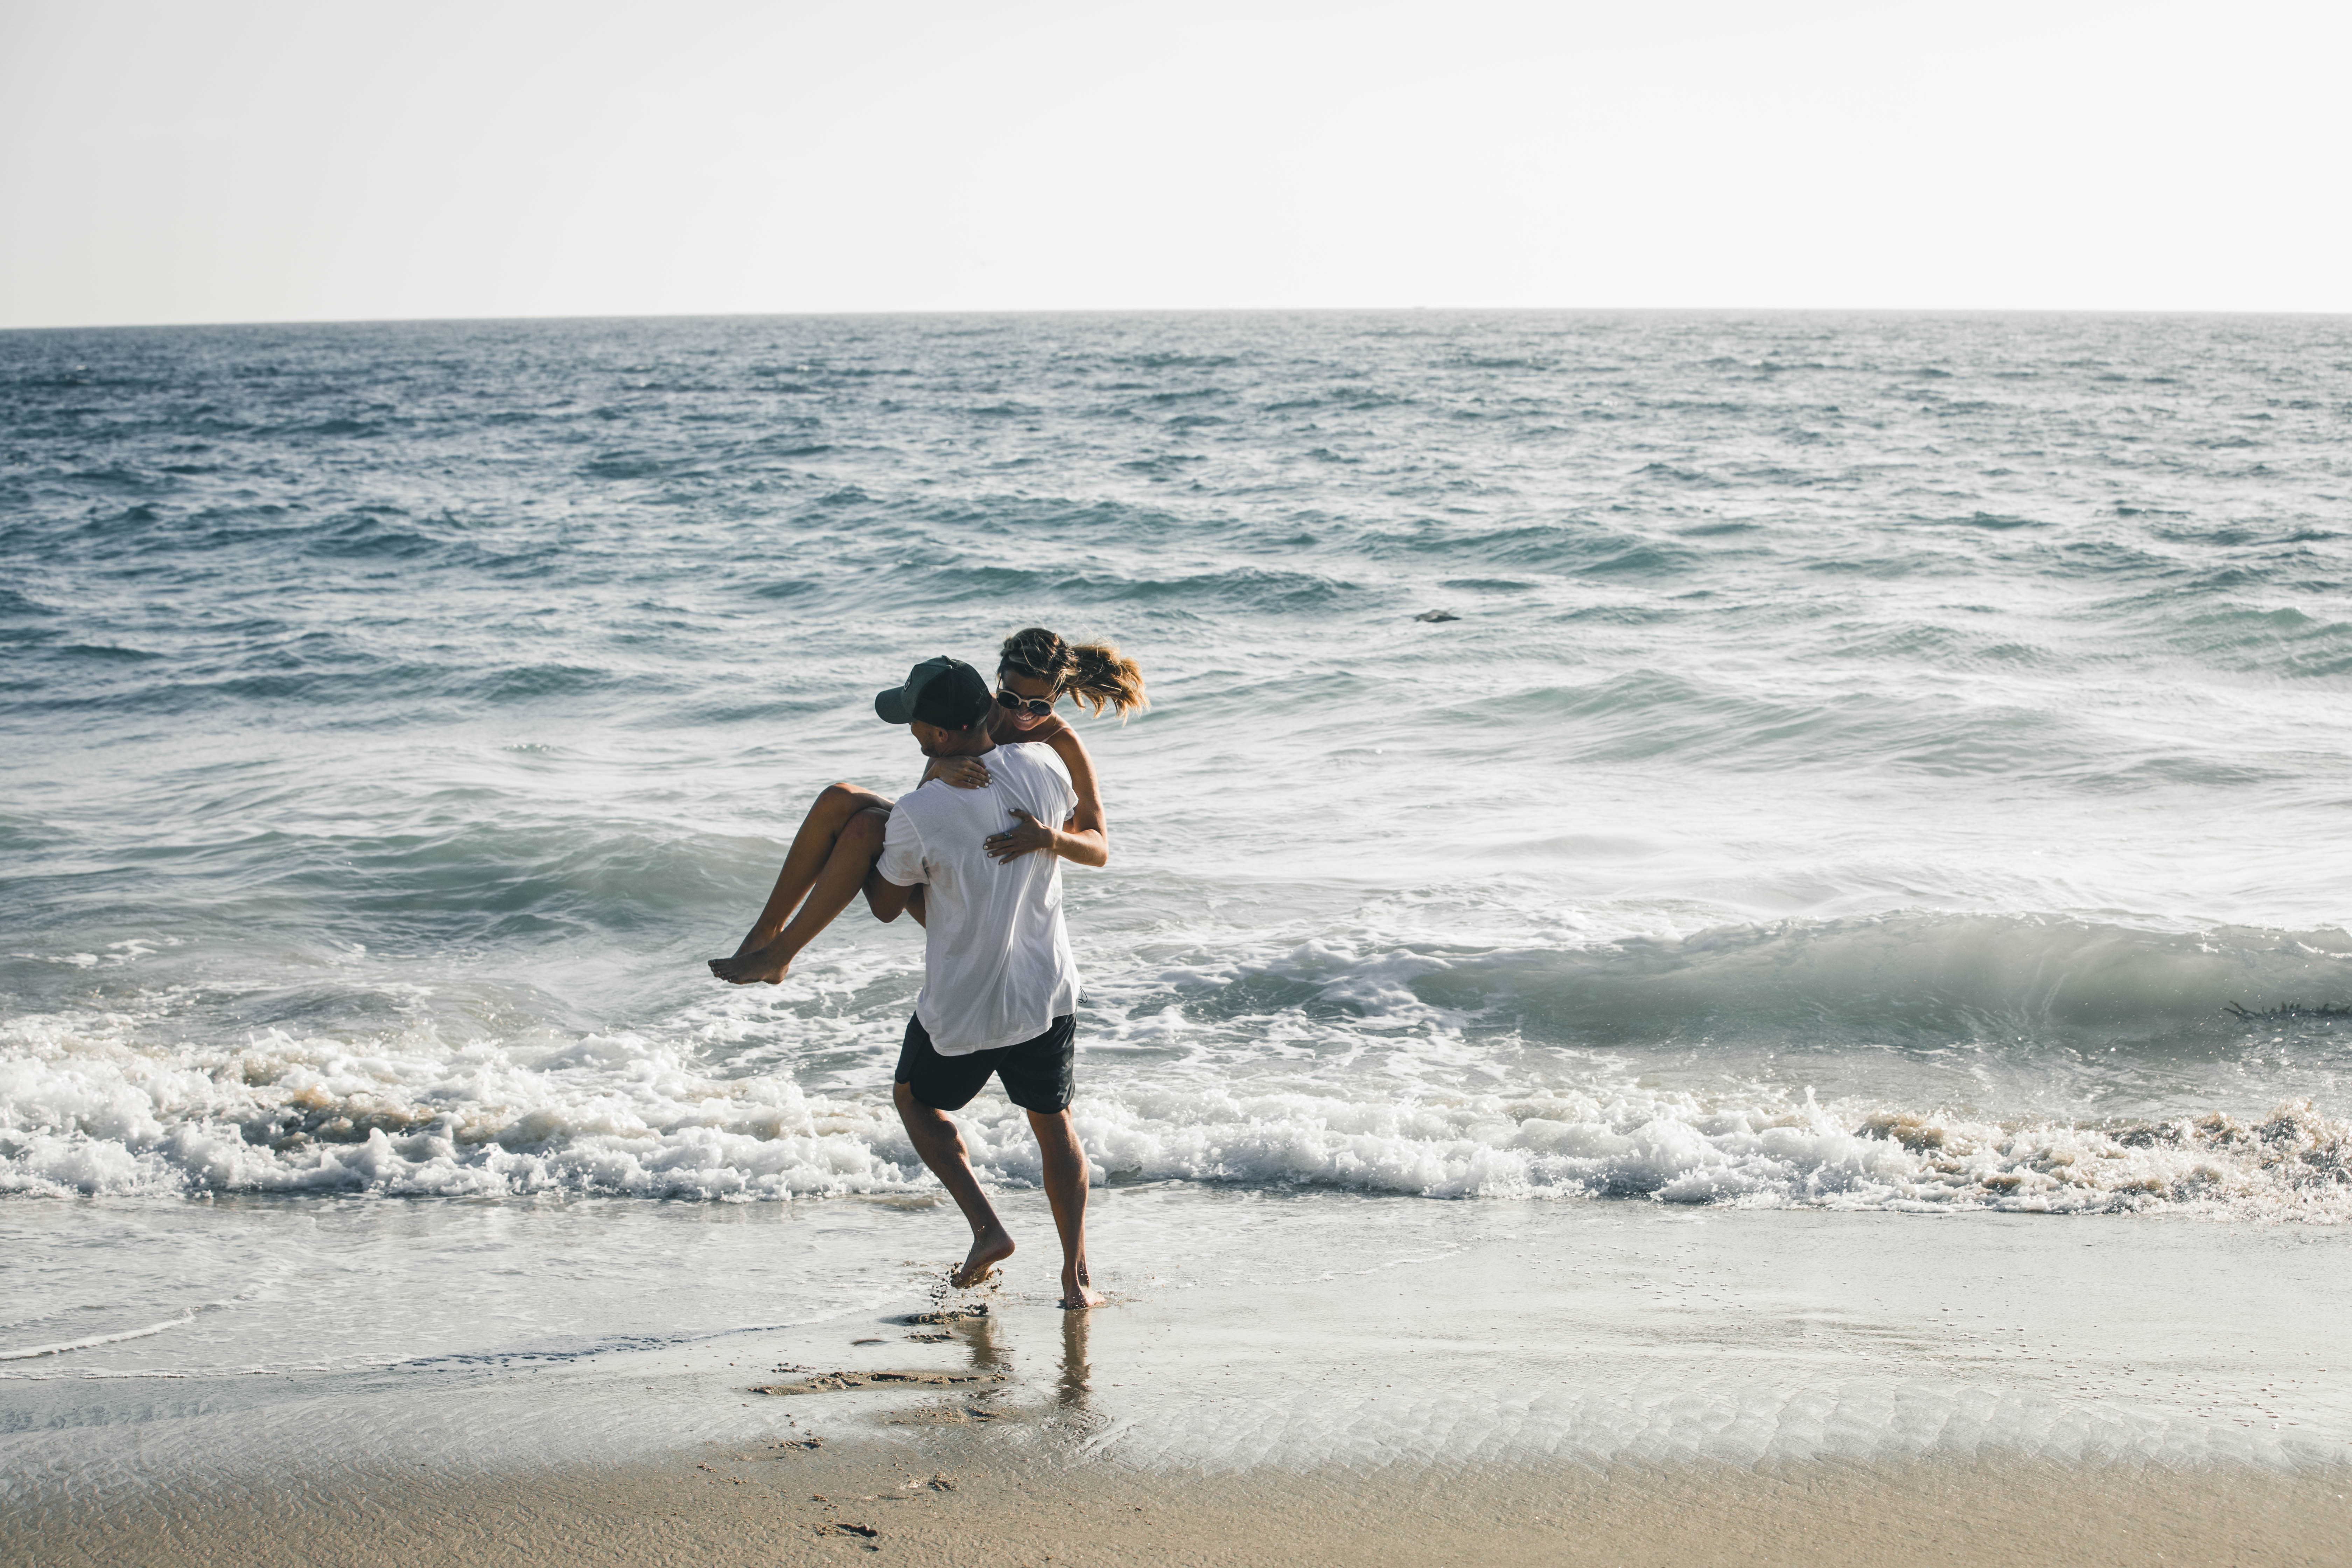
[{"x": 834, "y": 853}]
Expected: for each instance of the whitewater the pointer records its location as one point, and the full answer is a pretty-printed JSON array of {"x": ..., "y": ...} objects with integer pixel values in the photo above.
[{"x": 1846, "y": 762}]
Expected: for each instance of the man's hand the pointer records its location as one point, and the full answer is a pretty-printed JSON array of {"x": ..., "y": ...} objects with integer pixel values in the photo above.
[
  {"x": 1025, "y": 837},
  {"x": 958, "y": 772}
]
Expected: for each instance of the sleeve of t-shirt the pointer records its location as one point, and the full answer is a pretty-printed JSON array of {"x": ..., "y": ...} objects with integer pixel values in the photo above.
[
  {"x": 1069, "y": 791},
  {"x": 902, "y": 851}
]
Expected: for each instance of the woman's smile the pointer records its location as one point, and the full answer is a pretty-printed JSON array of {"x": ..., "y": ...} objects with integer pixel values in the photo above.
[{"x": 1018, "y": 693}]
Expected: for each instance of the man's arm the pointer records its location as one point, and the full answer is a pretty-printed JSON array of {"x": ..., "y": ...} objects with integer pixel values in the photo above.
[
  {"x": 895, "y": 884},
  {"x": 888, "y": 900}
]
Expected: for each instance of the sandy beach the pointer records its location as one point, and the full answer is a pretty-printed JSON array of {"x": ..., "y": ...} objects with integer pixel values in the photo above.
[
  {"x": 989, "y": 1506},
  {"x": 1308, "y": 1379}
]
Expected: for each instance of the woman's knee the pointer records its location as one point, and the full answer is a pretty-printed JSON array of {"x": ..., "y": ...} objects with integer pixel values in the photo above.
[{"x": 837, "y": 804}]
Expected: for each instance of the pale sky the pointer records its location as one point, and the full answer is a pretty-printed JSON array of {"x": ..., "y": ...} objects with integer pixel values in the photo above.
[{"x": 297, "y": 160}]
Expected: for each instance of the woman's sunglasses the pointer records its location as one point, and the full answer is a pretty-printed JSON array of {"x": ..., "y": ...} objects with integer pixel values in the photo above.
[{"x": 1035, "y": 707}]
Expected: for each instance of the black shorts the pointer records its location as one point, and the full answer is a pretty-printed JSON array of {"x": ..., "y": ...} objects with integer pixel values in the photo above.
[{"x": 1038, "y": 1074}]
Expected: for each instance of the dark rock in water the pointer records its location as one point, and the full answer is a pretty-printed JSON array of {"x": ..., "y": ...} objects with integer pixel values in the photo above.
[{"x": 1437, "y": 616}]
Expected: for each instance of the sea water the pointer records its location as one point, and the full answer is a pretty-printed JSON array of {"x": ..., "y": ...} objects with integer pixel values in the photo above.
[{"x": 1850, "y": 763}]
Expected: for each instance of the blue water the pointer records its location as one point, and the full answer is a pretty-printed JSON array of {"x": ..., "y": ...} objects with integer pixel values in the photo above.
[{"x": 1870, "y": 756}]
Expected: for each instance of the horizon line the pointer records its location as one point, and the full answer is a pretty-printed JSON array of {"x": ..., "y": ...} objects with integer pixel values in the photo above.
[{"x": 1140, "y": 311}]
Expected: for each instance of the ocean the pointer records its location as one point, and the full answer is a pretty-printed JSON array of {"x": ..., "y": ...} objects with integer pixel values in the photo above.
[{"x": 1892, "y": 767}]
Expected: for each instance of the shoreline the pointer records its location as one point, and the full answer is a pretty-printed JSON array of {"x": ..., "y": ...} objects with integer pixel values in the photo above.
[
  {"x": 972, "y": 1499},
  {"x": 1294, "y": 1379}
]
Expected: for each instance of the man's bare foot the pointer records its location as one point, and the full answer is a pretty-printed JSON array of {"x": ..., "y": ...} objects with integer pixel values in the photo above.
[
  {"x": 763, "y": 966},
  {"x": 989, "y": 1248},
  {"x": 1077, "y": 1292}
]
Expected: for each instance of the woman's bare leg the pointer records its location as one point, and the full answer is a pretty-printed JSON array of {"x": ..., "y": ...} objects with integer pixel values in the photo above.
[
  {"x": 842, "y": 878},
  {"x": 812, "y": 847}
]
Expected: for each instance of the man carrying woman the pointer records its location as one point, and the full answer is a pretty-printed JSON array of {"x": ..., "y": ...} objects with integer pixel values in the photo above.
[
  {"x": 1000, "y": 984},
  {"x": 839, "y": 840}
]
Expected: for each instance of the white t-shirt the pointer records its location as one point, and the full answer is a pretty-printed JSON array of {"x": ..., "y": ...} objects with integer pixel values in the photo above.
[{"x": 997, "y": 968}]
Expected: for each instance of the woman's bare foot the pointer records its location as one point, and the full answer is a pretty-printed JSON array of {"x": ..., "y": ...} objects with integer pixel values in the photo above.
[
  {"x": 989, "y": 1248},
  {"x": 763, "y": 967},
  {"x": 1077, "y": 1293}
]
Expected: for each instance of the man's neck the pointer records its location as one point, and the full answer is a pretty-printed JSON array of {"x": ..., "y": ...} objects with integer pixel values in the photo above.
[{"x": 985, "y": 743}]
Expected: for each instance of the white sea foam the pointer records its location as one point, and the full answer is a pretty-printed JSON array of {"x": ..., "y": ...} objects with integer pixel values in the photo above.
[
  {"x": 607, "y": 1114},
  {"x": 92, "y": 1342},
  {"x": 83, "y": 1110}
]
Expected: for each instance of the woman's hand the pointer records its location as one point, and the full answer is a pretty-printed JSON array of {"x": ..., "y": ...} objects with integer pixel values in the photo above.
[
  {"x": 1024, "y": 836},
  {"x": 959, "y": 772}
]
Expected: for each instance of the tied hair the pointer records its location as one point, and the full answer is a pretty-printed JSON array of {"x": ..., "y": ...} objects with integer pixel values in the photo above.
[{"x": 1095, "y": 675}]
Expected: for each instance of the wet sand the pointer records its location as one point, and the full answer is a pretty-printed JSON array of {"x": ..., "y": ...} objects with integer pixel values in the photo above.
[
  {"x": 1306, "y": 1380},
  {"x": 977, "y": 1502}
]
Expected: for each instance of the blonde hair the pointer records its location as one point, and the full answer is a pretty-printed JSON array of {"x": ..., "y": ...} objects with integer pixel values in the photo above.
[{"x": 1095, "y": 673}]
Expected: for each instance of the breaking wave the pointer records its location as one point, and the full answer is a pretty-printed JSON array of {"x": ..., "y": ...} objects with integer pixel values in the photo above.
[{"x": 86, "y": 1109}]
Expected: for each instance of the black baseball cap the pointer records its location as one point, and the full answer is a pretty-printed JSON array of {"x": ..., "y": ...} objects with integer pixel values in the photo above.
[{"x": 943, "y": 691}]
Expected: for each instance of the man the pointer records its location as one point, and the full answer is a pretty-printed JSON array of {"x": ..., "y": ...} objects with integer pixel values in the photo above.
[{"x": 1000, "y": 988}]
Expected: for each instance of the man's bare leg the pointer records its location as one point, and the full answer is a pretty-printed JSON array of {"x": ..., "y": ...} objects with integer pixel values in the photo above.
[
  {"x": 812, "y": 847},
  {"x": 845, "y": 873},
  {"x": 941, "y": 1146},
  {"x": 1066, "y": 1189}
]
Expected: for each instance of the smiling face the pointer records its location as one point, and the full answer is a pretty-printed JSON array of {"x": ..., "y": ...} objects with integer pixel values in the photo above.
[{"x": 1027, "y": 686}]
